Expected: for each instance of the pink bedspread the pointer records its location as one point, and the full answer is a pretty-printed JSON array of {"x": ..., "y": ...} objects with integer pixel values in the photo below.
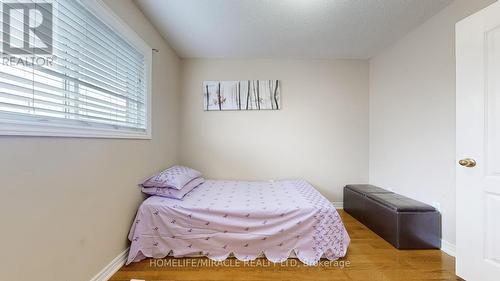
[{"x": 244, "y": 218}]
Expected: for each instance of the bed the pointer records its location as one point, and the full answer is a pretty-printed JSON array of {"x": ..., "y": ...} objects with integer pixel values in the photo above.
[{"x": 243, "y": 218}]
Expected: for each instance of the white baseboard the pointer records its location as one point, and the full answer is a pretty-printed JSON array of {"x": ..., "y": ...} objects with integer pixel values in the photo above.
[
  {"x": 448, "y": 248},
  {"x": 112, "y": 267},
  {"x": 338, "y": 205}
]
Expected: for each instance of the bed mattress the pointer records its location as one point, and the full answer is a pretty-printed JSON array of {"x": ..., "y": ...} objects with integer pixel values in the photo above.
[{"x": 244, "y": 218}]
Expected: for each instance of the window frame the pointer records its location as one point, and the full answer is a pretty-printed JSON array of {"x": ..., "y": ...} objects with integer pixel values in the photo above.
[{"x": 51, "y": 128}]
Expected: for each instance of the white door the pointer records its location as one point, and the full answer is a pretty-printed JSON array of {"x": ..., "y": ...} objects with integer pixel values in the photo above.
[{"x": 478, "y": 143}]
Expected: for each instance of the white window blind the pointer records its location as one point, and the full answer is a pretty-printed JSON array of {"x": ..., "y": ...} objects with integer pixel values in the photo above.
[{"x": 95, "y": 83}]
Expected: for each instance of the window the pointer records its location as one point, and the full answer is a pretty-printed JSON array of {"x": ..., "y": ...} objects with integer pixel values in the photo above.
[{"x": 72, "y": 68}]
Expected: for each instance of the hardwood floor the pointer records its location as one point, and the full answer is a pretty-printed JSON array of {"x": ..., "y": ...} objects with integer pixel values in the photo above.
[{"x": 369, "y": 258}]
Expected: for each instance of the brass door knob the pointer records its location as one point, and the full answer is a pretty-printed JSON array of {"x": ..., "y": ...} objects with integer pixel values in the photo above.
[{"x": 467, "y": 162}]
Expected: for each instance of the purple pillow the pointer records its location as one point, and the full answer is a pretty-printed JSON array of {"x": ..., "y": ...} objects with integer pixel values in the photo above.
[
  {"x": 171, "y": 192},
  {"x": 174, "y": 177}
]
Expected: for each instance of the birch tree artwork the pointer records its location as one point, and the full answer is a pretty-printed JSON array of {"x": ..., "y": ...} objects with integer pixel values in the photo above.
[{"x": 242, "y": 95}]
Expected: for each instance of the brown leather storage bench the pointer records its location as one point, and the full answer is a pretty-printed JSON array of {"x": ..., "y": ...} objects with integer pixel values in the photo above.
[{"x": 401, "y": 221}]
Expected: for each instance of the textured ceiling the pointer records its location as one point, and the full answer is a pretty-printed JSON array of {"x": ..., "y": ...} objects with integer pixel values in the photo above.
[{"x": 285, "y": 28}]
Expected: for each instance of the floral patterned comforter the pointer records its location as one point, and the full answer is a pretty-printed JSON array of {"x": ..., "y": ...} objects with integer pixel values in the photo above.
[{"x": 245, "y": 218}]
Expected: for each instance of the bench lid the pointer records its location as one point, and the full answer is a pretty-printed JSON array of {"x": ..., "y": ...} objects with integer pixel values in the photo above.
[
  {"x": 400, "y": 203},
  {"x": 366, "y": 188}
]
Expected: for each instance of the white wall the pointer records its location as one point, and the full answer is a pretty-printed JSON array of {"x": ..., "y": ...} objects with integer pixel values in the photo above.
[
  {"x": 66, "y": 204},
  {"x": 320, "y": 134},
  {"x": 412, "y": 113}
]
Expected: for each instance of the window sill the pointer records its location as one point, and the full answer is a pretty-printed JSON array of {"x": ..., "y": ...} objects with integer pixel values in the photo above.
[{"x": 24, "y": 129}]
